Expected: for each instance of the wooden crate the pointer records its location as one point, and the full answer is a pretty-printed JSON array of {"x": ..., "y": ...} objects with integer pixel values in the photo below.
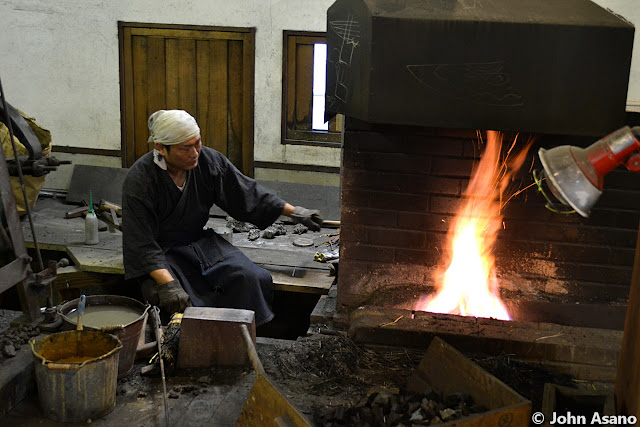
[{"x": 447, "y": 371}]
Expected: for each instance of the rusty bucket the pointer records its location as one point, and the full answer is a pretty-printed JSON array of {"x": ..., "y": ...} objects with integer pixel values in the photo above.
[{"x": 77, "y": 374}]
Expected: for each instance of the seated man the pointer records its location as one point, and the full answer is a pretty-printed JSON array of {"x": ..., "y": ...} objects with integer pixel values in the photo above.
[{"x": 166, "y": 199}]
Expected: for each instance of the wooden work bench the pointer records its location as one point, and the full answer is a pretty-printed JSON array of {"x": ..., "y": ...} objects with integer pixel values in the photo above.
[{"x": 292, "y": 268}]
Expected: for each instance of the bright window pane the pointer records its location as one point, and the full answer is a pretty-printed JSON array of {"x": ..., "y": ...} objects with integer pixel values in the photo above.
[{"x": 319, "y": 86}]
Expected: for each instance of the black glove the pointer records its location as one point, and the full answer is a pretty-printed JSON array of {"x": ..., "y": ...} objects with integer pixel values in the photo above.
[
  {"x": 172, "y": 297},
  {"x": 307, "y": 217}
]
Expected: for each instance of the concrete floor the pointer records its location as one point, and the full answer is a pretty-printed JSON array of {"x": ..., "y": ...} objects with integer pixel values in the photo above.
[
  {"x": 217, "y": 401},
  {"x": 207, "y": 396}
]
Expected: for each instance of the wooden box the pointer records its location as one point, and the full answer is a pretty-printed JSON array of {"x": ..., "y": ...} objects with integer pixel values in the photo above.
[
  {"x": 212, "y": 337},
  {"x": 448, "y": 371}
]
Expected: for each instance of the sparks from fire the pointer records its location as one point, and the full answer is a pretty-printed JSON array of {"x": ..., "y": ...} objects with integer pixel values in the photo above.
[{"x": 467, "y": 284}]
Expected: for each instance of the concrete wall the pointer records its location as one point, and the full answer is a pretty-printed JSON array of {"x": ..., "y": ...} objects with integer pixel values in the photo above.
[{"x": 60, "y": 64}]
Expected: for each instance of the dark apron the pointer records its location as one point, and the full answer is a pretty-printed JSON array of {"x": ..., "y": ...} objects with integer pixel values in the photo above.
[{"x": 215, "y": 273}]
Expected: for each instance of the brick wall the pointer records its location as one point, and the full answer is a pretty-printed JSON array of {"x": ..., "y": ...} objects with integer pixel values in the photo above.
[{"x": 401, "y": 187}]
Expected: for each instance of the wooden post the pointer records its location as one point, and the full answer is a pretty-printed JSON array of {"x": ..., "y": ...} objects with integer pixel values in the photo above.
[{"x": 628, "y": 371}]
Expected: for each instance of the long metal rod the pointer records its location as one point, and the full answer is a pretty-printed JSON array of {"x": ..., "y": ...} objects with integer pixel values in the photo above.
[
  {"x": 20, "y": 176},
  {"x": 158, "y": 327},
  {"x": 251, "y": 351}
]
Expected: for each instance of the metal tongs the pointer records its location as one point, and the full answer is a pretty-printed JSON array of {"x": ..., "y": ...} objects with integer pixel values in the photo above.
[{"x": 158, "y": 333}]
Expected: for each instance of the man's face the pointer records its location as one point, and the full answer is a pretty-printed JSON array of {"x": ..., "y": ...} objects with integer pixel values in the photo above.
[{"x": 183, "y": 156}]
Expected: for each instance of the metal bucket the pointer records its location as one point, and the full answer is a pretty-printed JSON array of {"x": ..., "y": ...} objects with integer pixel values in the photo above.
[
  {"x": 77, "y": 374},
  {"x": 128, "y": 332}
]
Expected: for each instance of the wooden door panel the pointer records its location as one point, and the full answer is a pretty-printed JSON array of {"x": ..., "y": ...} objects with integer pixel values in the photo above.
[
  {"x": 212, "y": 74},
  {"x": 208, "y": 73},
  {"x": 156, "y": 79},
  {"x": 234, "y": 139},
  {"x": 181, "y": 75},
  {"x": 140, "y": 106}
]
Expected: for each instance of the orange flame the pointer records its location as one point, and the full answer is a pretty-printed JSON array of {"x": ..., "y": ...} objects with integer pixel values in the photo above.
[{"x": 469, "y": 286}]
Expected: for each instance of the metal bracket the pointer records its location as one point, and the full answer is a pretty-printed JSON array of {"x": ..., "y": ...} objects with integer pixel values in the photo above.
[{"x": 49, "y": 274}]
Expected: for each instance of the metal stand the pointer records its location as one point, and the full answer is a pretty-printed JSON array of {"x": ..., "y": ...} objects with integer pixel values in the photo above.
[{"x": 18, "y": 272}]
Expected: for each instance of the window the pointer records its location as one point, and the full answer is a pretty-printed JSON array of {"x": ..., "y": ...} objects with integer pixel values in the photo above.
[{"x": 303, "y": 78}]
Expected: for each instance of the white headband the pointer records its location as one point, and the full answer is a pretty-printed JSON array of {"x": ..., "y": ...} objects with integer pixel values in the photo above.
[{"x": 170, "y": 127}]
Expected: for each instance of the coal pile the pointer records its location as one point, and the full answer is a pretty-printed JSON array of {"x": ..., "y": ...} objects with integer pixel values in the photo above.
[
  {"x": 13, "y": 338},
  {"x": 386, "y": 408}
]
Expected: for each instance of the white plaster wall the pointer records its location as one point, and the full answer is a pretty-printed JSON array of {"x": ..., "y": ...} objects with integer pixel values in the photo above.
[
  {"x": 60, "y": 63},
  {"x": 630, "y": 10}
]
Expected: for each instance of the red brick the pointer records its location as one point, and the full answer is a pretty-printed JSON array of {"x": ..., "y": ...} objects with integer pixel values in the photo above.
[
  {"x": 448, "y": 166},
  {"x": 428, "y": 258},
  {"x": 385, "y": 162},
  {"x": 445, "y": 205},
  {"x": 353, "y": 233},
  {"x": 356, "y": 197},
  {"x": 424, "y": 221},
  {"x": 357, "y": 251},
  {"x": 365, "y": 216},
  {"x": 372, "y": 141},
  {"x": 436, "y": 145},
  {"x": 471, "y": 149},
  {"x": 604, "y": 274},
  {"x": 623, "y": 179},
  {"x": 599, "y": 292},
  {"x": 400, "y": 182},
  {"x": 622, "y": 256},
  {"x": 405, "y": 178},
  {"x": 394, "y": 201},
  {"x": 396, "y": 238}
]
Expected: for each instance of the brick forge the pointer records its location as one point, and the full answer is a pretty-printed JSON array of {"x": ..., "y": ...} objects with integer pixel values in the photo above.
[{"x": 402, "y": 185}]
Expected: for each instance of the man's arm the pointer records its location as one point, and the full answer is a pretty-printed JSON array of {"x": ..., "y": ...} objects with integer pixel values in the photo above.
[
  {"x": 307, "y": 217},
  {"x": 161, "y": 276},
  {"x": 288, "y": 209}
]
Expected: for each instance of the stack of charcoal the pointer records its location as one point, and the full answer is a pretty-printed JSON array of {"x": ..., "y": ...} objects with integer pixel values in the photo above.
[
  {"x": 385, "y": 408},
  {"x": 13, "y": 338}
]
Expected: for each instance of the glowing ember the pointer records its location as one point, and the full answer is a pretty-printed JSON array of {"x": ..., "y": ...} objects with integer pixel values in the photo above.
[{"x": 469, "y": 286}]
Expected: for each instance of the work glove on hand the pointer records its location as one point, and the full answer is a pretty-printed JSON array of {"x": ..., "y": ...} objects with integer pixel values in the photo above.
[
  {"x": 307, "y": 217},
  {"x": 172, "y": 297}
]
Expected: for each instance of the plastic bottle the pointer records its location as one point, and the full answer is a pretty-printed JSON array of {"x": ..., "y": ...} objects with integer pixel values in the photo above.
[{"x": 91, "y": 225}]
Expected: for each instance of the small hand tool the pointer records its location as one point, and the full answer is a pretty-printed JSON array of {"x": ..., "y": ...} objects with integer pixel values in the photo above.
[
  {"x": 80, "y": 309},
  {"x": 109, "y": 206}
]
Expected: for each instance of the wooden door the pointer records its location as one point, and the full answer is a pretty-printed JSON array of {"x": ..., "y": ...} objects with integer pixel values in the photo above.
[{"x": 207, "y": 71}]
